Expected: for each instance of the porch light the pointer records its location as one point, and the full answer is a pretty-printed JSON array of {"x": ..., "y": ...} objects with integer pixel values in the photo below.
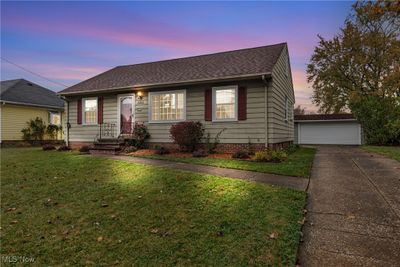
[{"x": 140, "y": 95}]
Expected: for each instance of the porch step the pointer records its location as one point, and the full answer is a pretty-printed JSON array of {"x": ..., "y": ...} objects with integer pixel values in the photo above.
[
  {"x": 110, "y": 150},
  {"x": 107, "y": 146}
]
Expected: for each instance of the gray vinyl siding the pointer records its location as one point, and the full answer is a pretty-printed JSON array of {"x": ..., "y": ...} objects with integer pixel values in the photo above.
[
  {"x": 282, "y": 87},
  {"x": 236, "y": 132},
  {"x": 88, "y": 133},
  {"x": 260, "y": 128}
]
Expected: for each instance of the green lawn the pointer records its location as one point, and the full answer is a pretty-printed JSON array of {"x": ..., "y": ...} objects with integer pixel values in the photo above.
[
  {"x": 389, "y": 151},
  {"x": 298, "y": 163},
  {"x": 70, "y": 209}
]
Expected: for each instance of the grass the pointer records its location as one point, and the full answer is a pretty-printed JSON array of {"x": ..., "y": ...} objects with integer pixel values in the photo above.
[
  {"x": 298, "y": 163},
  {"x": 62, "y": 208},
  {"x": 388, "y": 151}
]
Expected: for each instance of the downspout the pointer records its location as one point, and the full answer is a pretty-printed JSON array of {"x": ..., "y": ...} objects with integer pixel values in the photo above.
[
  {"x": 264, "y": 79},
  {"x": 68, "y": 124}
]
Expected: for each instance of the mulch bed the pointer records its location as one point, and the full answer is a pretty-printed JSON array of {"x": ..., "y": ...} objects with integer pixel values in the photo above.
[{"x": 144, "y": 152}]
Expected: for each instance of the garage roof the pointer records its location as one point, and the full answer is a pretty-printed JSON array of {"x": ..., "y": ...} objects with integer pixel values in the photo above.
[{"x": 324, "y": 117}]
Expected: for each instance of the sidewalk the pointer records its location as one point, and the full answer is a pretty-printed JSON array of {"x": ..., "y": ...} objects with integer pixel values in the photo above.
[{"x": 298, "y": 183}]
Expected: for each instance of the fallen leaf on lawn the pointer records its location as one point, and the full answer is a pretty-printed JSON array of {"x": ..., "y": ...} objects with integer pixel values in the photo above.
[
  {"x": 305, "y": 211},
  {"x": 13, "y": 222},
  {"x": 302, "y": 221},
  {"x": 351, "y": 217},
  {"x": 99, "y": 239},
  {"x": 139, "y": 196},
  {"x": 65, "y": 232},
  {"x": 97, "y": 223},
  {"x": 154, "y": 230},
  {"x": 273, "y": 235},
  {"x": 104, "y": 205},
  {"x": 113, "y": 216},
  {"x": 220, "y": 233},
  {"x": 11, "y": 209}
]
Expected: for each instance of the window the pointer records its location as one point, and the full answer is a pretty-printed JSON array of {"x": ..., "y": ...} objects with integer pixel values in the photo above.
[
  {"x": 225, "y": 103},
  {"x": 286, "y": 108},
  {"x": 89, "y": 111},
  {"x": 167, "y": 106},
  {"x": 55, "y": 118}
]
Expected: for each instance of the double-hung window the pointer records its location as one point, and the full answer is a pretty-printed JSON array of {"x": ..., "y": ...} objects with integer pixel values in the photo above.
[
  {"x": 55, "y": 118},
  {"x": 225, "y": 103},
  {"x": 167, "y": 106},
  {"x": 89, "y": 109}
]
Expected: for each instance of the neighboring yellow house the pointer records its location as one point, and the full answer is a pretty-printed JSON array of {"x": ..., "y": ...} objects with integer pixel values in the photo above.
[{"x": 20, "y": 101}]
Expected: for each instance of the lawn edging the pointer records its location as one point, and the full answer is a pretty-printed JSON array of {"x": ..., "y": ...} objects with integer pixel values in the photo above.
[{"x": 299, "y": 163}]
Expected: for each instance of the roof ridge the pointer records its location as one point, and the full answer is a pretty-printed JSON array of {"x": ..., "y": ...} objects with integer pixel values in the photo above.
[{"x": 202, "y": 55}]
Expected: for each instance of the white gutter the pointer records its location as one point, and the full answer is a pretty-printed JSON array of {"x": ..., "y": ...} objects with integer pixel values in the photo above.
[
  {"x": 31, "y": 105},
  {"x": 325, "y": 120},
  {"x": 170, "y": 84}
]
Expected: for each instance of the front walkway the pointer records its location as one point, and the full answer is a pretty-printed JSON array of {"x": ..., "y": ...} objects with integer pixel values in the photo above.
[
  {"x": 298, "y": 183},
  {"x": 353, "y": 207}
]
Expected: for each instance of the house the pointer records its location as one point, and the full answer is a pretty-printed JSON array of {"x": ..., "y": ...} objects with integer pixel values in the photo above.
[
  {"x": 247, "y": 92},
  {"x": 22, "y": 100},
  {"x": 327, "y": 129}
]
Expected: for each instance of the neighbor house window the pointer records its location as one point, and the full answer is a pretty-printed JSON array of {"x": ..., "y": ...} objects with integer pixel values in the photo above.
[
  {"x": 167, "y": 106},
  {"x": 225, "y": 103},
  {"x": 89, "y": 110},
  {"x": 55, "y": 118}
]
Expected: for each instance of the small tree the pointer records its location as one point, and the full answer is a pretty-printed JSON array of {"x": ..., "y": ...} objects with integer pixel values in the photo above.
[
  {"x": 299, "y": 110},
  {"x": 140, "y": 134},
  {"x": 187, "y": 134},
  {"x": 35, "y": 130},
  {"x": 52, "y": 131},
  {"x": 380, "y": 118}
]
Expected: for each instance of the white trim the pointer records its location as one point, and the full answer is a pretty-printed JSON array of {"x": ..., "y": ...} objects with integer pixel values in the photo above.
[
  {"x": 31, "y": 105},
  {"x": 298, "y": 121},
  {"x": 214, "y": 89},
  {"x": 119, "y": 110},
  {"x": 83, "y": 111},
  {"x": 140, "y": 86},
  {"x": 165, "y": 92}
]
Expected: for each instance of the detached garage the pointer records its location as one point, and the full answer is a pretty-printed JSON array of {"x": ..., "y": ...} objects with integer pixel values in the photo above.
[{"x": 327, "y": 129}]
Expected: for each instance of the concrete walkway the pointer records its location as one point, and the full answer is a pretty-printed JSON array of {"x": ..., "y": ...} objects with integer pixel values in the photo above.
[
  {"x": 353, "y": 208},
  {"x": 298, "y": 183}
]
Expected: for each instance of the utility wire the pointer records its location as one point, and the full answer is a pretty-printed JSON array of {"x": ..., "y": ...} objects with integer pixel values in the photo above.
[{"x": 34, "y": 73}]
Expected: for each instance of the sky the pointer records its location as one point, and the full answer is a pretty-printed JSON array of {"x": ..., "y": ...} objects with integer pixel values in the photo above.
[{"x": 68, "y": 42}]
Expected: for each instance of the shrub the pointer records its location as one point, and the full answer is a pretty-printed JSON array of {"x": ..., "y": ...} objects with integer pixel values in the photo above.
[
  {"x": 160, "y": 150},
  {"x": 84, "y": 149},
  {"x": 35, "y": 130},
  {"x": 140, "y": 134},
  {"x": 262, "y": 156},
  {"x": 278, "y": 156},
  {"x": 48, "y": 147},
  {"x": 187, "y": 135},
  {"x": 292, "y": 148},
  {"x": 379, "y": 118},
  {"x": 200, "y": 153},
  {"x": 212, "y": 145},
  {"x": 64, "y": 148},
  {"x": 240, "y": 154},
  {"x": 130, "y": 149},
  {"x": 270, "y": 156},
  {"x": 53, "y": 130}
]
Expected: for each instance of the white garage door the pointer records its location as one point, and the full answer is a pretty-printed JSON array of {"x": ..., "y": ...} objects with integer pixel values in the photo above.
[{"x": 335, "y": 133}]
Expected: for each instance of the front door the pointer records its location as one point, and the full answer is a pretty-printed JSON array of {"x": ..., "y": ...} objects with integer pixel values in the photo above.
[{"x": 126, "y": 113}]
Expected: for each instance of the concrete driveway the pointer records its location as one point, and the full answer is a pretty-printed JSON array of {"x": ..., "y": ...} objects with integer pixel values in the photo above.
[{"x": 353, "y": 216}]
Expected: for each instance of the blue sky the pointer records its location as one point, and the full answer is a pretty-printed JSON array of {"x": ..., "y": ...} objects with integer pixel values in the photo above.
[{"x": 72, "y": 41}]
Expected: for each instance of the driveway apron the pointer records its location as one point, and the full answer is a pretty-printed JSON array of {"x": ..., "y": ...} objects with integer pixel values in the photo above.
[{"x": 353, "y": 210}]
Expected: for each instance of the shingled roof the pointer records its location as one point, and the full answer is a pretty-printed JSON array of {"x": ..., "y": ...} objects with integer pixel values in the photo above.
[
  {"x": 324, "y": 117},
  {"x": 24, "y": 92},
  {"x": 223, "y": 65}
]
